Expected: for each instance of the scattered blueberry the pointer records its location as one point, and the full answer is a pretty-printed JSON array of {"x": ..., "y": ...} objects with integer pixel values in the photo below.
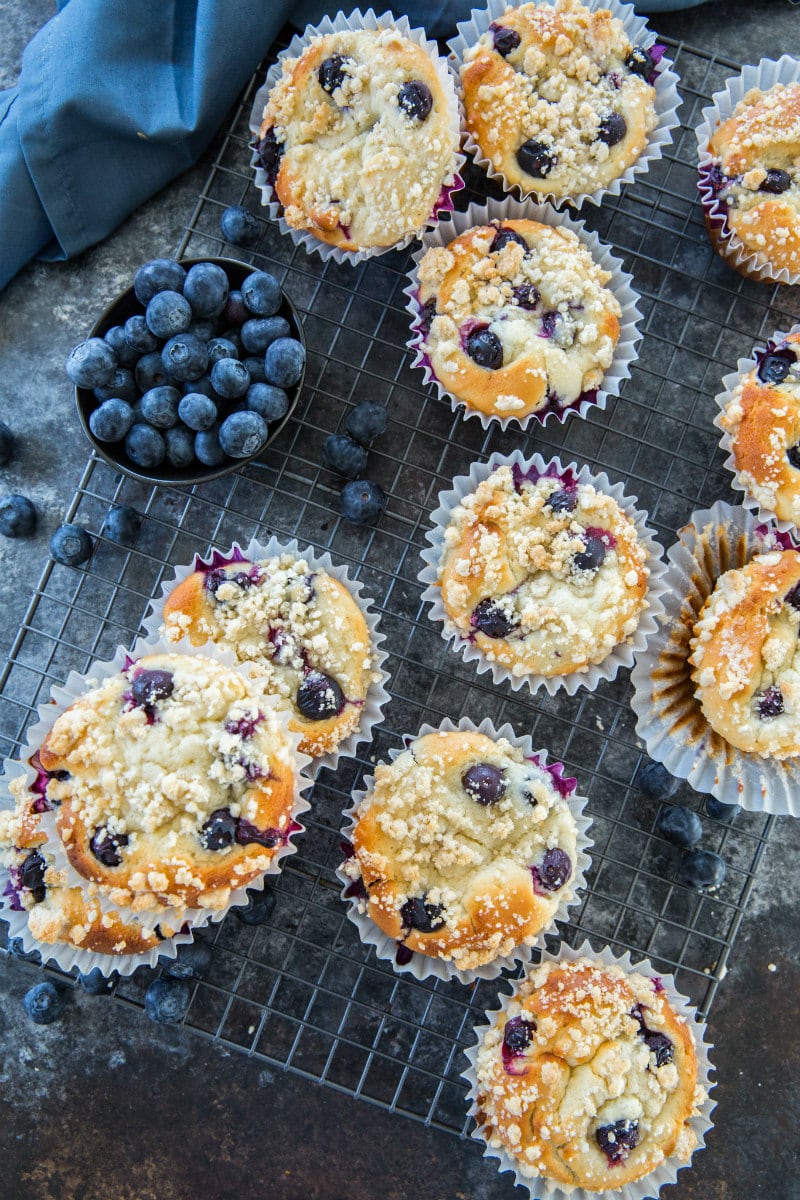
[
  {"x": 415, "y": 99},
  {"x": 159, "y": 275},
  {"x": 416, "y": 914},
  {"x": 180, "y": 446},
  {"x": 197, "y": 411},
  {"x": 260, "y": 332},
  {"x": 111, "y": 421},
  {"x": 362, "y": 502},
  {"x": 618, "y": 1139},
  {"x": 536, "y": 159},
  {"x": 126, "y": 355},
  {"x": 776, "y": 182},
  {"x": 242, "y": 434},
  {"x": 160, "y": 406},
  {"x": 44, "y": 1003},
  {"x": 168, "y": 313},
  {"x": 770, "y": 704},
  {"x": 206, "y": 288},
  {"x": 95, "y": 983},
  {"x": 555, "y": 870},
  {"x": 17, "y": 516},
  {"x": 185, "y": 357},
  {"x": 681, "y": 826},
  {"x": 207, "y": 447},
  {"x": 773, "y": 368},
  {"x": 105, "y": 846},
  {"x": 6, "y": 443},
  {"x": 503, "y": 237},
  {"x": 269, "y": 402},
  {"x": 505, "y": 40},
  {"x": 150, "y": 372},
  {"x": 341, "y": 453},
  {"x": 485, "y": 783},
  {"x": 654, "y": 781},
  {"x": 526, "y": 295},
  {"x": 612, "y": 129},
  {"x": 220, "y": 347},
  {"x": 219, "y": 830},
  {"x": 121, "y": 386},
  {"x": 193, "y": 960},
  {"x": 122, "y": 525},
  {"x": 138, "y": 336},
  {"x": 145, "y": 446},
  {"x": 718, "y": 811},
  {"x": 331, "y": 73},
  {"x": 167, "y": 1000},
  {"x": 491, "y": 620},
  {"x": 259, "y": 908},
  {"x": 71, "y": 545},
  {"x": 319, "y": 697},
  {"x": 592, "y": 557},
  {"x": 640, "y": 63},
  {"x": 235, "y": 311},
  {"x": 230, "y": 378},
  {"x": 366, "y": 421},
  {"x": 91, "y": 364},
  {"x": 485, "y": 348},
  {"x": 701, "y": 869},
  {"x": 284, "y": 362},
  {"x": 240, "y": 226},
  {"x": 261, "y": 294}
]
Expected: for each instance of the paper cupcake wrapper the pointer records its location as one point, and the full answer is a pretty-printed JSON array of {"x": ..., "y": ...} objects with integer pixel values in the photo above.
[
  {"x": 423, "y": 966},
  {"x": 254, "y": 551},
  {"x": 751, "y": 263},
  {"x": 621, "y": 656},
  {"x": 355, "y": 21},
  {"x": 739, "y": 482},
  {"x": 77, "y": 685},
  {"x": 667, "y": 98},
  {"x": 625, "y": 352},
  {"x": 667, "y": 1172},
  {"x": 669, "y": 719}
]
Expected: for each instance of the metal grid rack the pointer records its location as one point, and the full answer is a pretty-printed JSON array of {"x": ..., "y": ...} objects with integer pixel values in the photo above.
[{"x": 302, "y": 992}]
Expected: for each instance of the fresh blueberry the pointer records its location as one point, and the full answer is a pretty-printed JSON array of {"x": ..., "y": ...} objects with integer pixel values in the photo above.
[
  {"x": 17, "y": 516},
  {"x": 230, "y": 378},
  {"x": 341, "y": 453},
  {"x": 235, "y": 311},
  {"x": 240, "y": 226},
  {"x": 284, "y": 362},
  {"x": 159, "y": 275},
  {"x": 167, "y": 1000},
  {"x": 503, "y": 237},
  {"x": 592, "y": 558},
  {"x": 234, "y": 336},
  {"x": 219, "y": 830},
  {"x": 491, "y": 620},
  {"x": 366, "y": 421},
  {"x": 260, "y": 332},
  {"x": 138, "y": 336},
  {"x": 505, "y": 40},
  {"x": 150, "y": 372},
  {"x": 197, "y": 411},
  {"x": 415, "y": 99},
  {"x": 773, "y": 368},
  {"x": 95, "y": 983},
  {"x": 331, "y": 73},
  {"x": 185, "y": 357},
  {"x": 701, "y": 869},
  {"x": 126, "y": 355},
  {"x": 168, "y": 313},
  {"x": 180, "y": 446},
  {"x": 319, "y": 697},
  {"x": 777, "y": 181},
  {"x": 770, "y": 704},
  {"x": 204, "y": 328},
  {"x": 206, "y": 288},
  {"x": 207, "y": 448},
  {"x": 44, "y": 1003},
  {"x": 121, "y": 386},
  {"x": 261, "y": 294},
  {"x": 270, "y": 152},
  {"x": 536, "y": 159},
  {"x": 150, "y": 686},
  {"x": 416, "y": 914},
  {"x": 654, "y": 781},
  {"x": 555, "y": 870},
  {"x": 192, "y": 962},
  {"x": 485, "y": 783},
  {"x": 259, "y": 908},
  {"x": 160, "y": 406},
  {"x": 91, "y": 364},
  {"x": 526, "y": 295},
  {"x": 243, "y": 434},
  {"x": 362, "y": 502},
  {"x": 122, "y": 525},
  {"x": 255, "y": 367},
  {"x": 71, "y": 545},
  {"x": 32, "y": 874},
  {"x": 517, "y": 1036},
  {"x": 203, "y": 386},
  {"x": 719, "y": 811},
  {"x": 111, "y": 421},
  {"x": 145, "y": 446},
  {"x": 612, "y": 129},
  {"x": 219, "y": 348},
  {"x": 564, "y": 500},
  {"x": 105, "y": 846},
  {"x": 485, "y": 348},
  {"x": 269, "y": 402},
  {"x": 681, "y": 826},
  {"x": 640, "y": 63},
  {"x": 618, "y": 1139}
]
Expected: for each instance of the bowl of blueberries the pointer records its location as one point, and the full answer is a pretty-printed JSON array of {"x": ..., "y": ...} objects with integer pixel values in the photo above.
[{"x": 191, "y": 372}]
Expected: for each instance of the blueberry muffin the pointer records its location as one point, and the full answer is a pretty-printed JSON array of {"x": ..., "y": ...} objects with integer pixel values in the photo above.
[
  {"x": 589, "y": 1078},
  {"x": 745, "y": 656},
  {"x": 545, "y": 575},
  {"x": 464, "y": 848},
  {"x": 300, "y": 627},
  {"x": 558, "y": 99},
  {"x": 173, "y": 781},
  {"x": 762, "y": 418},
  {"x": 517, "y": 319},
  {"x": 358, "y": 138},
  {"x": 754, "y": 176}
]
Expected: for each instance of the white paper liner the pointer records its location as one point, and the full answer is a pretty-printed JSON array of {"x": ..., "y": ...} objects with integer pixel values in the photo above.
[
  {"x": 769, "y": 71},
  {"x": 667, "y": 98},
  {"x": 669, "y": 719},
  {"x": 77, "y": 685},
  {"x": 625, "y": 351},
  {"x": 256, "y": 551},
  {"x": 667, "y": 1172},
  {"x": 743, "y": 368},
  {"x": 355, "y": 21},
  {"x": 423, "y": 966},
  {"x": 621, "y": 656}
]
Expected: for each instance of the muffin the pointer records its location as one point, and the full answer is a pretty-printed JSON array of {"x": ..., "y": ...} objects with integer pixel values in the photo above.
[
  {"x": 557, "y": 98},
  {"x": 464, "y": 848},
  {"x": 762, "y": 419},
  {"x": 589, "y": 1077},
  {"x": 745, "y": 656},
  {"x": 298, "y": 625},
  {"x": 545, "y": 575},
  {"x": 173, "y": 782},
  {"x": 516, "y": 318},
  {"x": 358, "y": 138}
]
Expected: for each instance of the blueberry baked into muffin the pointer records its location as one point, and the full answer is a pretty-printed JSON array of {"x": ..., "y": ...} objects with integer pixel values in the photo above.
[
  {"x": 358, "y": 139},
  {"x": 464, "y": 848},
  {"x": 558, "y": 99},
  {"x": 589, "y": 1077},
  {"x": 745, "y": 656},
  {"x": 301, "y": 628},
  {"x": 517, "y": 319},
  {"x": 544, "y": 574}
]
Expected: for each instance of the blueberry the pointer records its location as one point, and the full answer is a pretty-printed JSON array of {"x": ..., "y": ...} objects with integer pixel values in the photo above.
[
  {"x": 362, "y": 502},
  {"x": 261, "y": 294},
  {"x": 91, "y": 364},
  {"x": 17, "y": 516},
  {"x": 774, "y": 368},
  {"x": 218, "y": 348},
  {"x": 16, "y": 949},
  {"x": 331, "y": 73},
  {"x": 260, "y": 332},
  {"x": 121, "y": 386},
  {"x": 612, "y": 129},
  {"x": 701, "y": 869},
  {"x": 526, "y": 295},
  {"x": 770, "y": 704},
  {"x": 122, "y": 525},
  {"x": 159, "y": 275},
  {"x": 426, "y": 315},
  {"x": 719, "y": 811},
  {"x": 32, "y": 874},
  {"x": 126, "y": 355},
  {"x": 219, "y": 830},
  {"x": 536, "y": 159},
  {"x": 793, "y": 455},
  {"x": 180, "y": 446},
  {"x": 319, "y": 697},
  {"x": 235, "y": 311},
  {"x": 160, "y": 406},
  {"x": 681, "y": 826},
  {"x": 640, "y": 63},
  {"x": 207, "y": 447},
  {"x": 44, "y": 1003},
  {"x": 284, "y": 362},
  {"x": 341, "y": 453},
  {"x": 485, "y": 348},
  {"x": 145, "y": 446},
  {"x": 564, "y": 500},
  {"x": 505, "y": 236},
  {"x": 239, "y": 226},
  {"x": 197, "y": 411},
  {"x": 517, "y": 1035},
  {"x": 185, "y": 357},
  {"x": 618, "y": 1139},
  {"x": 203, "y": 386},
  {"x": 259, "y": 908},
  {"x": 150, "y": 686},
  {"x": 138, "y": 336},
  {"x": 105, "y": 846},
  {"x": 71, "y": 545},
  {"x": 269, "y": 402},
  {"x": 555, "y": 870},
  {"x": 150, "y": 372},
  {"x": 592, "y": 558},
  {"x": 230, "y": 378},
  {"x": 505, "y": 40},
  {"x": 416, "y": 914},
  {"x": 366, "y": 421},
  {"x": 95, "y": 983},
  {"x": 204, "y": 328},
  {"x": 654, "y": 781},
  {"x": 192, "y": 962},
  {"x": 243, "y": 434},
  {"x": 415, "y": 99},
  {"x": 777, "y": 181},
  {"x": 167, "y": 1000},
  {"x": 168, "y": 313},
  {"x": 484, "y": 783},
  {"x": 270, "y": 152},
  {"x": 206, "y": 288},
  {"x": 255, "y": 367},
  {"x": 549, "y": 323},
  {"x": 491, "y": 620},
  {"x": 111, "y": 421},
  {"x": 234, "y": 336}
]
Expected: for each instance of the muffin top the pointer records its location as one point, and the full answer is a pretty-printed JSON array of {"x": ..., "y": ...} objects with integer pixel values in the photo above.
[
  {"x": 357, "y": 138},
  {"x": 517, "y": 318},
  {"x": 763, "y": 420},
  {"x": 465, "y": 848},
  {"x": 544, "y": 574},
  {"x": 745, "y": 655},
  {"x": 558, "y": 99},
  {"x": 589, "y": 1077},
  {"x": 756, "y": 173}
]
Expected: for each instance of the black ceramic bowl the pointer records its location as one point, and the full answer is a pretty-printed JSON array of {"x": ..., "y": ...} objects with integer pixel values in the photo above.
[{"x": 117, "y": 313}]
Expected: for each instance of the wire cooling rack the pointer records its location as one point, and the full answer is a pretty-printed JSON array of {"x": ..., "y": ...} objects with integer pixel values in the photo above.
[{"x": 302, "y": 992}]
